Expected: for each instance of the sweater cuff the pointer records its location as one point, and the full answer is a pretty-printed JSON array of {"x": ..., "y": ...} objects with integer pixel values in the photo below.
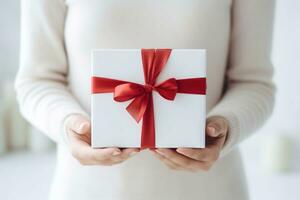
[
  {"x": 234, "y": 129},
  {"x": 61, "y": 123}
]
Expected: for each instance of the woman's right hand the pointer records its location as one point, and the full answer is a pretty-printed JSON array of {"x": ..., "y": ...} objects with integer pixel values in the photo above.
[{"x": 79, "y": 135}]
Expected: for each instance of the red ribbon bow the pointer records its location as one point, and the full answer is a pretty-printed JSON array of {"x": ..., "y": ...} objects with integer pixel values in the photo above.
[{"x": 141, "y": 106}]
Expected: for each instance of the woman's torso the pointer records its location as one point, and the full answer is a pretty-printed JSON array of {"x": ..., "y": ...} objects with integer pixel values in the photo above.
[{"x": 92, "y": 24}]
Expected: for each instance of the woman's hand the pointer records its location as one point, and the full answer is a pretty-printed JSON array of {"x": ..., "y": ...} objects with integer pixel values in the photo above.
[
  {"x": 197, "y": 159},
  {"x": 79, "y": 135}
]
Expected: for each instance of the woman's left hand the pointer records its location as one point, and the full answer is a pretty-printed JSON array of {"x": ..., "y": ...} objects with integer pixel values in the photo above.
[{"x": 191, "y": 159}]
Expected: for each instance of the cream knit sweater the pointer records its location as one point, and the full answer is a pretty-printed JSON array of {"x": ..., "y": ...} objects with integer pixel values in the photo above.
[{"x": 53, "y": 82}]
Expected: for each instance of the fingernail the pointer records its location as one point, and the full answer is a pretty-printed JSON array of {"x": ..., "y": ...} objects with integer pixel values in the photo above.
[
  {"x": 158, "y": 151},
  {"x": 179, "y": 150},
  {"x": 133, "y": 153},
  {"x": 82, "y": 126},
  {"x": 115, "y": 153},
  {"x": 212, "y": 130}
]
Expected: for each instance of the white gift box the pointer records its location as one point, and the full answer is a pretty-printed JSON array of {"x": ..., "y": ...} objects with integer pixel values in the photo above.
[{"x": 178, "y": 123}]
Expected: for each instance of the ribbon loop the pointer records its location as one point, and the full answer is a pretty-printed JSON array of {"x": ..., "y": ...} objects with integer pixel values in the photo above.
[
  {"x": 167, "y": 89},
  {"x": 127, "y": 91}
]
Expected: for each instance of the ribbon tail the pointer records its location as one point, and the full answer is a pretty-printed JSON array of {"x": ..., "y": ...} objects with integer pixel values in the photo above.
[
  {"x": 127, "y": 91},
  {"x": 138, "y": 107},
  {"x": 148, "y": 126},
  {"x": 192, "y": 86}
]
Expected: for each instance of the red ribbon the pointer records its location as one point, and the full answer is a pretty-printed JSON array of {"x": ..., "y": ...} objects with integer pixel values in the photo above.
[{"x": 141, "y": 105}]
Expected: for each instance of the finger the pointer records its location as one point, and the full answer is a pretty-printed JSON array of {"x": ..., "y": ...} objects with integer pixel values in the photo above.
[
  {"x": 211, "y": 131},
  {"x": 181, "y": 160},
  {"x": 84, "y": 153},
  {"x": 129, "y": 152},
  {"x": 166, "y": 161},
  {"x": 78, "y": 124},
  {"x": 216, "y": 127},
  {"x": 210, "y": 154},
  {"x": 124, "y": 155},
  {"x": 105, "y": 156}
]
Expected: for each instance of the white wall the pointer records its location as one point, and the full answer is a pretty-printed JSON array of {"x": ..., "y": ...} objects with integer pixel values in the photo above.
[
  {"x": 9, "y": 62},
  {"x": 9, "y": 38},
  {"x": 286, "y": 58},
  {"x": 287, "y": 63}
]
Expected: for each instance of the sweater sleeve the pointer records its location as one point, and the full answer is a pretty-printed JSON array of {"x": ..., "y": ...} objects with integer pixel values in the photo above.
[
  {"x": 249, "y": 96},
  {"x": 41, "y": 82}
]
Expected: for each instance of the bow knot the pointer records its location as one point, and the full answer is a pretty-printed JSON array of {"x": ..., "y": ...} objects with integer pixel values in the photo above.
[
  {"x": 149, "y": 88},
  {"x": 140, "y": 95}
]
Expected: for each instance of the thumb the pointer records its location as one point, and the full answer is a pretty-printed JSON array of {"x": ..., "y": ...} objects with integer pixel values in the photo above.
[
  {"x": 216, "y": 126},
  {"x": 79, "y": 124}
]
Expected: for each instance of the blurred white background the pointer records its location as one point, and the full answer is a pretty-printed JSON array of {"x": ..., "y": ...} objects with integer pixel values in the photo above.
[{"x": 272, "y": 155}]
